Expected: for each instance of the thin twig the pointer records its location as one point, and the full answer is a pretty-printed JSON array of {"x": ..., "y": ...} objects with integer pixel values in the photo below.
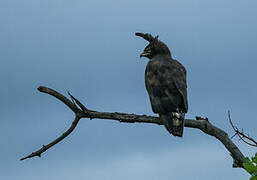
[
  {"x": 46, "y": 147},
  {"x": 83, "y": 108},
  {"x": 241, "y": 134}
]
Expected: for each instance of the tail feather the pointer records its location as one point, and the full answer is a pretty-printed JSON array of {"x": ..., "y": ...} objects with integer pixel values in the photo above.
[{"x": 174, "y": 123}]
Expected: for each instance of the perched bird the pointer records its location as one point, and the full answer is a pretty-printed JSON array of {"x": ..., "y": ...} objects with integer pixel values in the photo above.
[{"x": 165, "y": 81}]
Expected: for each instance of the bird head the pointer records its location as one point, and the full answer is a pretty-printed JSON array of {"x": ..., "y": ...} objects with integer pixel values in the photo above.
[{"x": 155, "y": 46}]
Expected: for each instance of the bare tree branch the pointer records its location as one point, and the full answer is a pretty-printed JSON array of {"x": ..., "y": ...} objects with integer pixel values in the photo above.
[
  {"x": 45, "y": 147},
  {"x": 241, "y": 134},
  {"x": 199, "y": 123},
  {"x": 59, "y": 96},
  {"x": 72, "y": 106}
]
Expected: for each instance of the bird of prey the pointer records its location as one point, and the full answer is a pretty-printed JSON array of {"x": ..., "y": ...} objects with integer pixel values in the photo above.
[{"x": 165, "y": 81}]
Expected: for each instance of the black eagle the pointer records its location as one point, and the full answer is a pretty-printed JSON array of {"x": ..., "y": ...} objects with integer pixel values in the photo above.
[{"x": 165, "y": 81}]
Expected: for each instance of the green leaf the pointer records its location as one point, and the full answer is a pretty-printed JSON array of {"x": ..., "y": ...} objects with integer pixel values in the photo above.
[
  {"x": 254, "y": 159},
  {"x": 250, "y": 167}
]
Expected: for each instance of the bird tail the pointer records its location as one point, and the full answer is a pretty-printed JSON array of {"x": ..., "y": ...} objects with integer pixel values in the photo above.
[{"x": 174, "y": 123}]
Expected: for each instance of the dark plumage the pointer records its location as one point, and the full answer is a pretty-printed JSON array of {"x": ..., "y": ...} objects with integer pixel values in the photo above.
[{"x": 165, "y": 80}]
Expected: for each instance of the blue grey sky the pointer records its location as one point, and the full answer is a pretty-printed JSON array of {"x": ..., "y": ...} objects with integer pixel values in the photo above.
[{"x": 89, "y": 48}]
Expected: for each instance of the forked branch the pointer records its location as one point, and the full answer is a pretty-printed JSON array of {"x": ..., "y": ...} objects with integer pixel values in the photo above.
[{"x": 81, "y": 111}]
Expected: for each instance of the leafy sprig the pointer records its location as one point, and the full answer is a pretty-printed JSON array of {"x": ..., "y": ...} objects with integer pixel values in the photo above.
[{"x": 251, "y": 166}]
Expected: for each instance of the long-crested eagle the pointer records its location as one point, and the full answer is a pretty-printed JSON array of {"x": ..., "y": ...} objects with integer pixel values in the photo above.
[{"x": 165, "y": 81}]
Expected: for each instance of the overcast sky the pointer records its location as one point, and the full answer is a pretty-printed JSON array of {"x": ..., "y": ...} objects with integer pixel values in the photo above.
[{"x": 89, "y": 48}]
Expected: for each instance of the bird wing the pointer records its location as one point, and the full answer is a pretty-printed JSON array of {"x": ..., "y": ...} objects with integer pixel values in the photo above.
[{"x": 165, "y": 81}]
